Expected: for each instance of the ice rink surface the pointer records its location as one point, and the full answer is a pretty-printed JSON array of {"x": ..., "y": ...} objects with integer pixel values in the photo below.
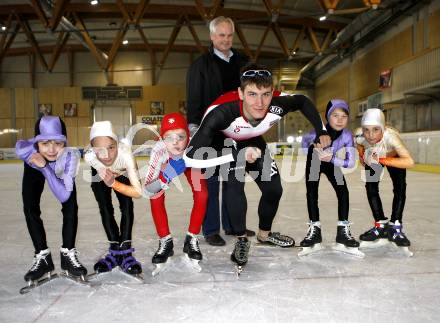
[{"x": 276, "y": 285}]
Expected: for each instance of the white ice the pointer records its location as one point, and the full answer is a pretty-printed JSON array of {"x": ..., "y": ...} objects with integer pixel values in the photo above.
[{"x": 276, "y": 285}]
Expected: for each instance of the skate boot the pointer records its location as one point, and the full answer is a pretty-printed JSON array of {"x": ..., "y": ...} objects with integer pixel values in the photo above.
[
  {"x": 312, "y": 242},
  {"x": 277, "y": 239},
  {"x": 313, "y": 235},
  {"x": 343, "y": 235},
  {"x": 162, "y": 254},
  {"x": 396, "y": 235},
  {"x": 71, "y": 266},
  {"x": 398, "y": 238},
  {"x": 42, "y": 265},
  {"x": 110, "y": 261},
  {"x": 376, "y": 236},
  {"x": 40, "y": 272},
  {"x": 191, "y": 247},
  {"x": 345, "y": 241},
  {"x": 240, "y": 253},
  {"x": 192, "y": 250},
  {"x": 128, "y": 263}
]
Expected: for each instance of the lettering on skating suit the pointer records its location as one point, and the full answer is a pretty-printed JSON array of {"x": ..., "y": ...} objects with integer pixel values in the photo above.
[
  {"x": 276, "y": 110},
  {"x": 273, "y": 169}
]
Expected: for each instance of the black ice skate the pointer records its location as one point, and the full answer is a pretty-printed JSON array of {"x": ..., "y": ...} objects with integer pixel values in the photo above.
[
  {"x": 40, "y": 272},
  {"x": 345, "y": 241},
  {"x": 71, "y": 267},
  {"x": 128, "y": 263},
  {"x": 240, "y": 253},
  {"x": 312, "y": 242},
  {"x": 277, "y": 239},
  {"x": 162, "y": 254},
  {"x": 192, "y": 250},
  {"x": 398, "y": 238},
  {"x": 376, "y": 236}
]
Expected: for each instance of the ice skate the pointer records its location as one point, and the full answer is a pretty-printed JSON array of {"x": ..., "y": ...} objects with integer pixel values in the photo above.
[
  {"x": 128, "y": 263},
  {"x": 192, "y": 251},
  {"x": 398, "y": 239},
  {"x": 277, "y": 239},
  {"x": 345, "y": 242},
  {"x": 376, "y": 237},
  {"x": 312, "y": 242},
  {"x": 41, "y": 271},
  {"x": 240, "y": 254},
  {"x": 71, "y": 267},
  {"x": 107, "y": 263},
  {"x": 162, "y": 257}
]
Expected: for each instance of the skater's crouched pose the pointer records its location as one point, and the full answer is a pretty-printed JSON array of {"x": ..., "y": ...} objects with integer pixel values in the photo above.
[
  {"x": 114, "y": 168},
  {"x": 380, "y": 146},
  {"x": 328, "y": 162},
  {"x": 242, "y": 118},
  {"x": 46, "y": 158},
  {"x": 166, "y": 163}
]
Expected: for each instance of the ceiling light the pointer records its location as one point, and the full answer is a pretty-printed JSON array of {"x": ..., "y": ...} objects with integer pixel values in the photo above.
[
  {"x": 94, "y": 2},
  {"x": 125, "y": 42},
  {"x": 322, "y": 18}
]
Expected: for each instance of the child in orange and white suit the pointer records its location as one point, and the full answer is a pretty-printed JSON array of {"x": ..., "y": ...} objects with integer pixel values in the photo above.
[{"x": 380, "y": 146}]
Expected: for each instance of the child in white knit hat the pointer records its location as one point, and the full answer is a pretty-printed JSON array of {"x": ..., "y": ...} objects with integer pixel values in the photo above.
[
  {"x": 113, "y": 161},
  {"x": 378, "y": 146}
]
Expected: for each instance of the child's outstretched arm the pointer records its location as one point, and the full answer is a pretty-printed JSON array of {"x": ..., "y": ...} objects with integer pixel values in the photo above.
[
  {"x": 403, "y": 158},
  {"x": 361, "y": 152},
  {"x": 24, "y": 149},
  {"x": 159, "y": 156},
  {"x": 349, "y": 160},
  {"x": 133, "y": 190},
  {"x": 57, "y": 185}
]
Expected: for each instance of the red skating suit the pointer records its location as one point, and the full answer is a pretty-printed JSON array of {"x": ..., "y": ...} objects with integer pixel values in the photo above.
[{"x": 154, "y": 189}]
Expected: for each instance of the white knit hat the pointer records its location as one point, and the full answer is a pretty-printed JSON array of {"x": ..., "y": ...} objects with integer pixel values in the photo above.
[
  {"x": 102, "y": 129},
  {"x": 373, "y": 117}
]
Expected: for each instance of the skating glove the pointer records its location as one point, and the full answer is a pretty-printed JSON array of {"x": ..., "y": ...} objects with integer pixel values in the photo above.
[
  {"x": 174, "y": 168},
  {"x": 67, "y": 165}
]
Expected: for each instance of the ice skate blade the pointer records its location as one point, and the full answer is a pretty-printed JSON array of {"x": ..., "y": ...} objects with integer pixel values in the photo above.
[
  {"x": 239, "y": 269},
  {"x": 82, "y": 280},
  {"x": 158, "y": 268},
  {"x": 193, "y": 263},
  {"x": 373, "y": 244},
  {"x": 404, "y": 250},
  {"x": 306, "y": 251},
  {"x": 353, "y": 251},
  {"x": 37, "y": 283},
  {"x": 138, "y": 277},
  {"x": 261, "y": 243}
]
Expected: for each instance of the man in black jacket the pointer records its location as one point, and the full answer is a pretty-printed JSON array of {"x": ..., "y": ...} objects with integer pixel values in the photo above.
[{"x": 208, "y": 77}]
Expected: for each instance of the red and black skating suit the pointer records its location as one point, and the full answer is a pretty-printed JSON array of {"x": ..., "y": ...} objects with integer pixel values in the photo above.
[{"x": 224, "y": 120}]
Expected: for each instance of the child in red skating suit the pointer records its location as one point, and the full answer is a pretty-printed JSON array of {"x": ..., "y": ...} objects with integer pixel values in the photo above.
[{"x": 166, "y": 163}]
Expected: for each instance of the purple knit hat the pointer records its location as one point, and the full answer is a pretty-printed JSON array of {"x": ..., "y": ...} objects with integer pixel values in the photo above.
[
  {"x": 335, "y": 104},
  {"x": 50, "y": 128}
]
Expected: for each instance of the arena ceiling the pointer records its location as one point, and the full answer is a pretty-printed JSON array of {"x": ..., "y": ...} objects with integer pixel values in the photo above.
[{"x": 272, "y": 30}]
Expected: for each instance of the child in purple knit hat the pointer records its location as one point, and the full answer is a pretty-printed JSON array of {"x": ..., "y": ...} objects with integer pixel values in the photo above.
[
  {"x": 326, "y": 161},
  {"x": 46, "y": 158}
]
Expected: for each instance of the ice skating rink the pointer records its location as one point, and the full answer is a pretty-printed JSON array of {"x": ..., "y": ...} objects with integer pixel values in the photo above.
[{"x": 276, "y": 286}]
